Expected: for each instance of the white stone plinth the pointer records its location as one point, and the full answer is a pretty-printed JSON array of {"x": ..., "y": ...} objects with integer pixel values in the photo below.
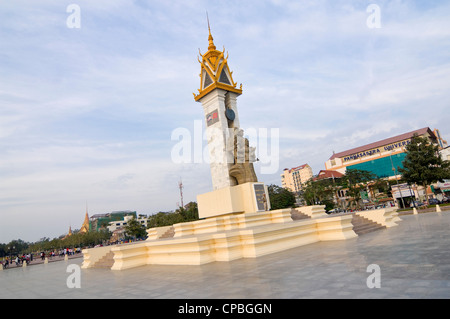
[{"x": 231, "y": 200}]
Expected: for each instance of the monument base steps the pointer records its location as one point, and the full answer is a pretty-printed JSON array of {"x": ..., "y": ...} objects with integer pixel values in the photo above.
[
  {"x": 235, "y": 236},
  {"x": 362, "y": 225}
]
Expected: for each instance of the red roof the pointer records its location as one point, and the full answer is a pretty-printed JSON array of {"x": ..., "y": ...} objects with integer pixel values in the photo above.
[
  {"x": 384, "y": 142},
  {"x": 323, "y": 174}
]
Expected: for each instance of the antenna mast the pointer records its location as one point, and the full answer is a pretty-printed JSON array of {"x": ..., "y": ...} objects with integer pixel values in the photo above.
[{"x": 180, "y": 185}]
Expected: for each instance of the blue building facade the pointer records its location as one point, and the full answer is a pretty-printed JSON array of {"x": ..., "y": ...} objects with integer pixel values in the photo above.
[{"x": 382, "y": 167}]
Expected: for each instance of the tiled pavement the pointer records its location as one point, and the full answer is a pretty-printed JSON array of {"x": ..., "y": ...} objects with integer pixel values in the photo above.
[{"x": 414, "y": 261}]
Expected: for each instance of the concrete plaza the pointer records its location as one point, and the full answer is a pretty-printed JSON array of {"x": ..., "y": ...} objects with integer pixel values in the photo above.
[{"x": 414, "y": 261}]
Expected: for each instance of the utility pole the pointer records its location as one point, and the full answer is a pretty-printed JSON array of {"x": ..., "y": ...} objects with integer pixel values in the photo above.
[{"x": 180, "y": 185}]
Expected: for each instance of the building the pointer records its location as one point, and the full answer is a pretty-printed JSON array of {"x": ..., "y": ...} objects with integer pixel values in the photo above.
[
  {"x": 340, "y": 197},
  {"x": 86, "y": 225},
  {"x": 295, "y": 178},
  {"x": 117, "y": 228},
  {"x": 441, "y": 142},
  {"x": 383, "y": 158},
  {"x": 325, "y": 174},
  {"x": 98, "y": 221},
  {"x": 68, "y": 234},
  {"x": 119, "y": 224},
  {"x": 445, "y": 153},
  {"x": 443, "y": 188},
  {"x": 84, "y": 228}
]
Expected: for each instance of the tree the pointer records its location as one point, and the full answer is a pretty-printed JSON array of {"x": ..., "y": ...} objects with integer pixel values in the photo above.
[
  {"x": 280, "y": 197},
  {"x": 356, "y": 181},
  {"x": 184, "y": 214},
  {"x": 135, "y": 229},
  {"x": 318, "y": 192},
  {"x": 189, "y": 212},
  {"x": 16, "y": 246},
  {"x": 423, "y": 164},
  {"x": 164, "y": 219},
  {"x": 381, "y": 188}
]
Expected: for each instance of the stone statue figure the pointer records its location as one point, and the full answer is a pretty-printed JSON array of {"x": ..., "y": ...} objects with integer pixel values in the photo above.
[{"x": 243, "y": 157}]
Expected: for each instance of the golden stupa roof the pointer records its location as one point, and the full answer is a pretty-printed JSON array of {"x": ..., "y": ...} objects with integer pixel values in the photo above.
[
  {"x": 69, "y": 234},
  {"x": 215, "y": 72},
  {"x": 85, "y": 226}
]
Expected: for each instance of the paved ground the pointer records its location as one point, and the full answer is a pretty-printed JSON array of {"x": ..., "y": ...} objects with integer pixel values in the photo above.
[{"x": 414, "y": 261}]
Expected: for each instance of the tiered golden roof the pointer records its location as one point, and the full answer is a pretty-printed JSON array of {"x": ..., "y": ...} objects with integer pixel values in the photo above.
[
  {"x": 69, "y": 234},
  {"x": 85, "y": 226},
  {"x": 215, "y": 72}
]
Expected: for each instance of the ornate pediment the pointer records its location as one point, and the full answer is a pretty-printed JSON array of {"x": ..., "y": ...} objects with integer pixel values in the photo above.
[{"x": 215, "y": 72}]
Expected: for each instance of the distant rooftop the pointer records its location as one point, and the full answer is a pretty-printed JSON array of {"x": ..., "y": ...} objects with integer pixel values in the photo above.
[
  {"x": 384, "y": 142},
  {"x": 296, "y": 168},
  {"x": 326, "y": 174},
  {"x": 97, "y": 216}
]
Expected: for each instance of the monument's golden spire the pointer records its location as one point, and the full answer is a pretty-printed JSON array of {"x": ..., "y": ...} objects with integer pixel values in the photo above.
[
  {"x": 210, "y": 37},
  {"x": 215, "y": 72}
]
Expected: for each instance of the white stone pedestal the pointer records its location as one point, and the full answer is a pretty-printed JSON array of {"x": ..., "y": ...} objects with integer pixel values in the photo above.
[{"x": 245, "y": 198}]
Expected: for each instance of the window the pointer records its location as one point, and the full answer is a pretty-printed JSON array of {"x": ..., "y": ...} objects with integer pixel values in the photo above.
[
  {"x": 381, "y": 167},
  {"x": 224, "y": 78},
  {"x": 208, "y": 80}
]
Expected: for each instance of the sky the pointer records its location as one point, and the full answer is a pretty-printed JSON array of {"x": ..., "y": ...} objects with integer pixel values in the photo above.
[{"x": 91, "y": 93}]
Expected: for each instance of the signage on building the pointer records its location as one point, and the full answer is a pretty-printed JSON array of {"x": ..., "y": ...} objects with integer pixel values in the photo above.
[
  {"x": 445, "y": 186},
  {"x": 364, "y": 196},
  {"x": 377, "y": 150},
  {"x": 402, "y": 190}
]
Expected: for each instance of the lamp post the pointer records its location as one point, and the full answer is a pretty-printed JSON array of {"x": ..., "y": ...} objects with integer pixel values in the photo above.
[
  {"x": 414, "y": 198},
  {"x": 395, "y": 174}
]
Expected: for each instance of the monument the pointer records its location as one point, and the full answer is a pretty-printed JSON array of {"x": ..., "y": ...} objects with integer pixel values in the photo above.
[
  {"x": 235, "y": 217},
  {"x": 235, "y": 184}
]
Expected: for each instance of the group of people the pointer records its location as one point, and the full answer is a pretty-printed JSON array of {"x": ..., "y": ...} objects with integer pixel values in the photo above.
[
  {"x": 18, "y": 260},
  {"x": 61, "y": 253}
]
